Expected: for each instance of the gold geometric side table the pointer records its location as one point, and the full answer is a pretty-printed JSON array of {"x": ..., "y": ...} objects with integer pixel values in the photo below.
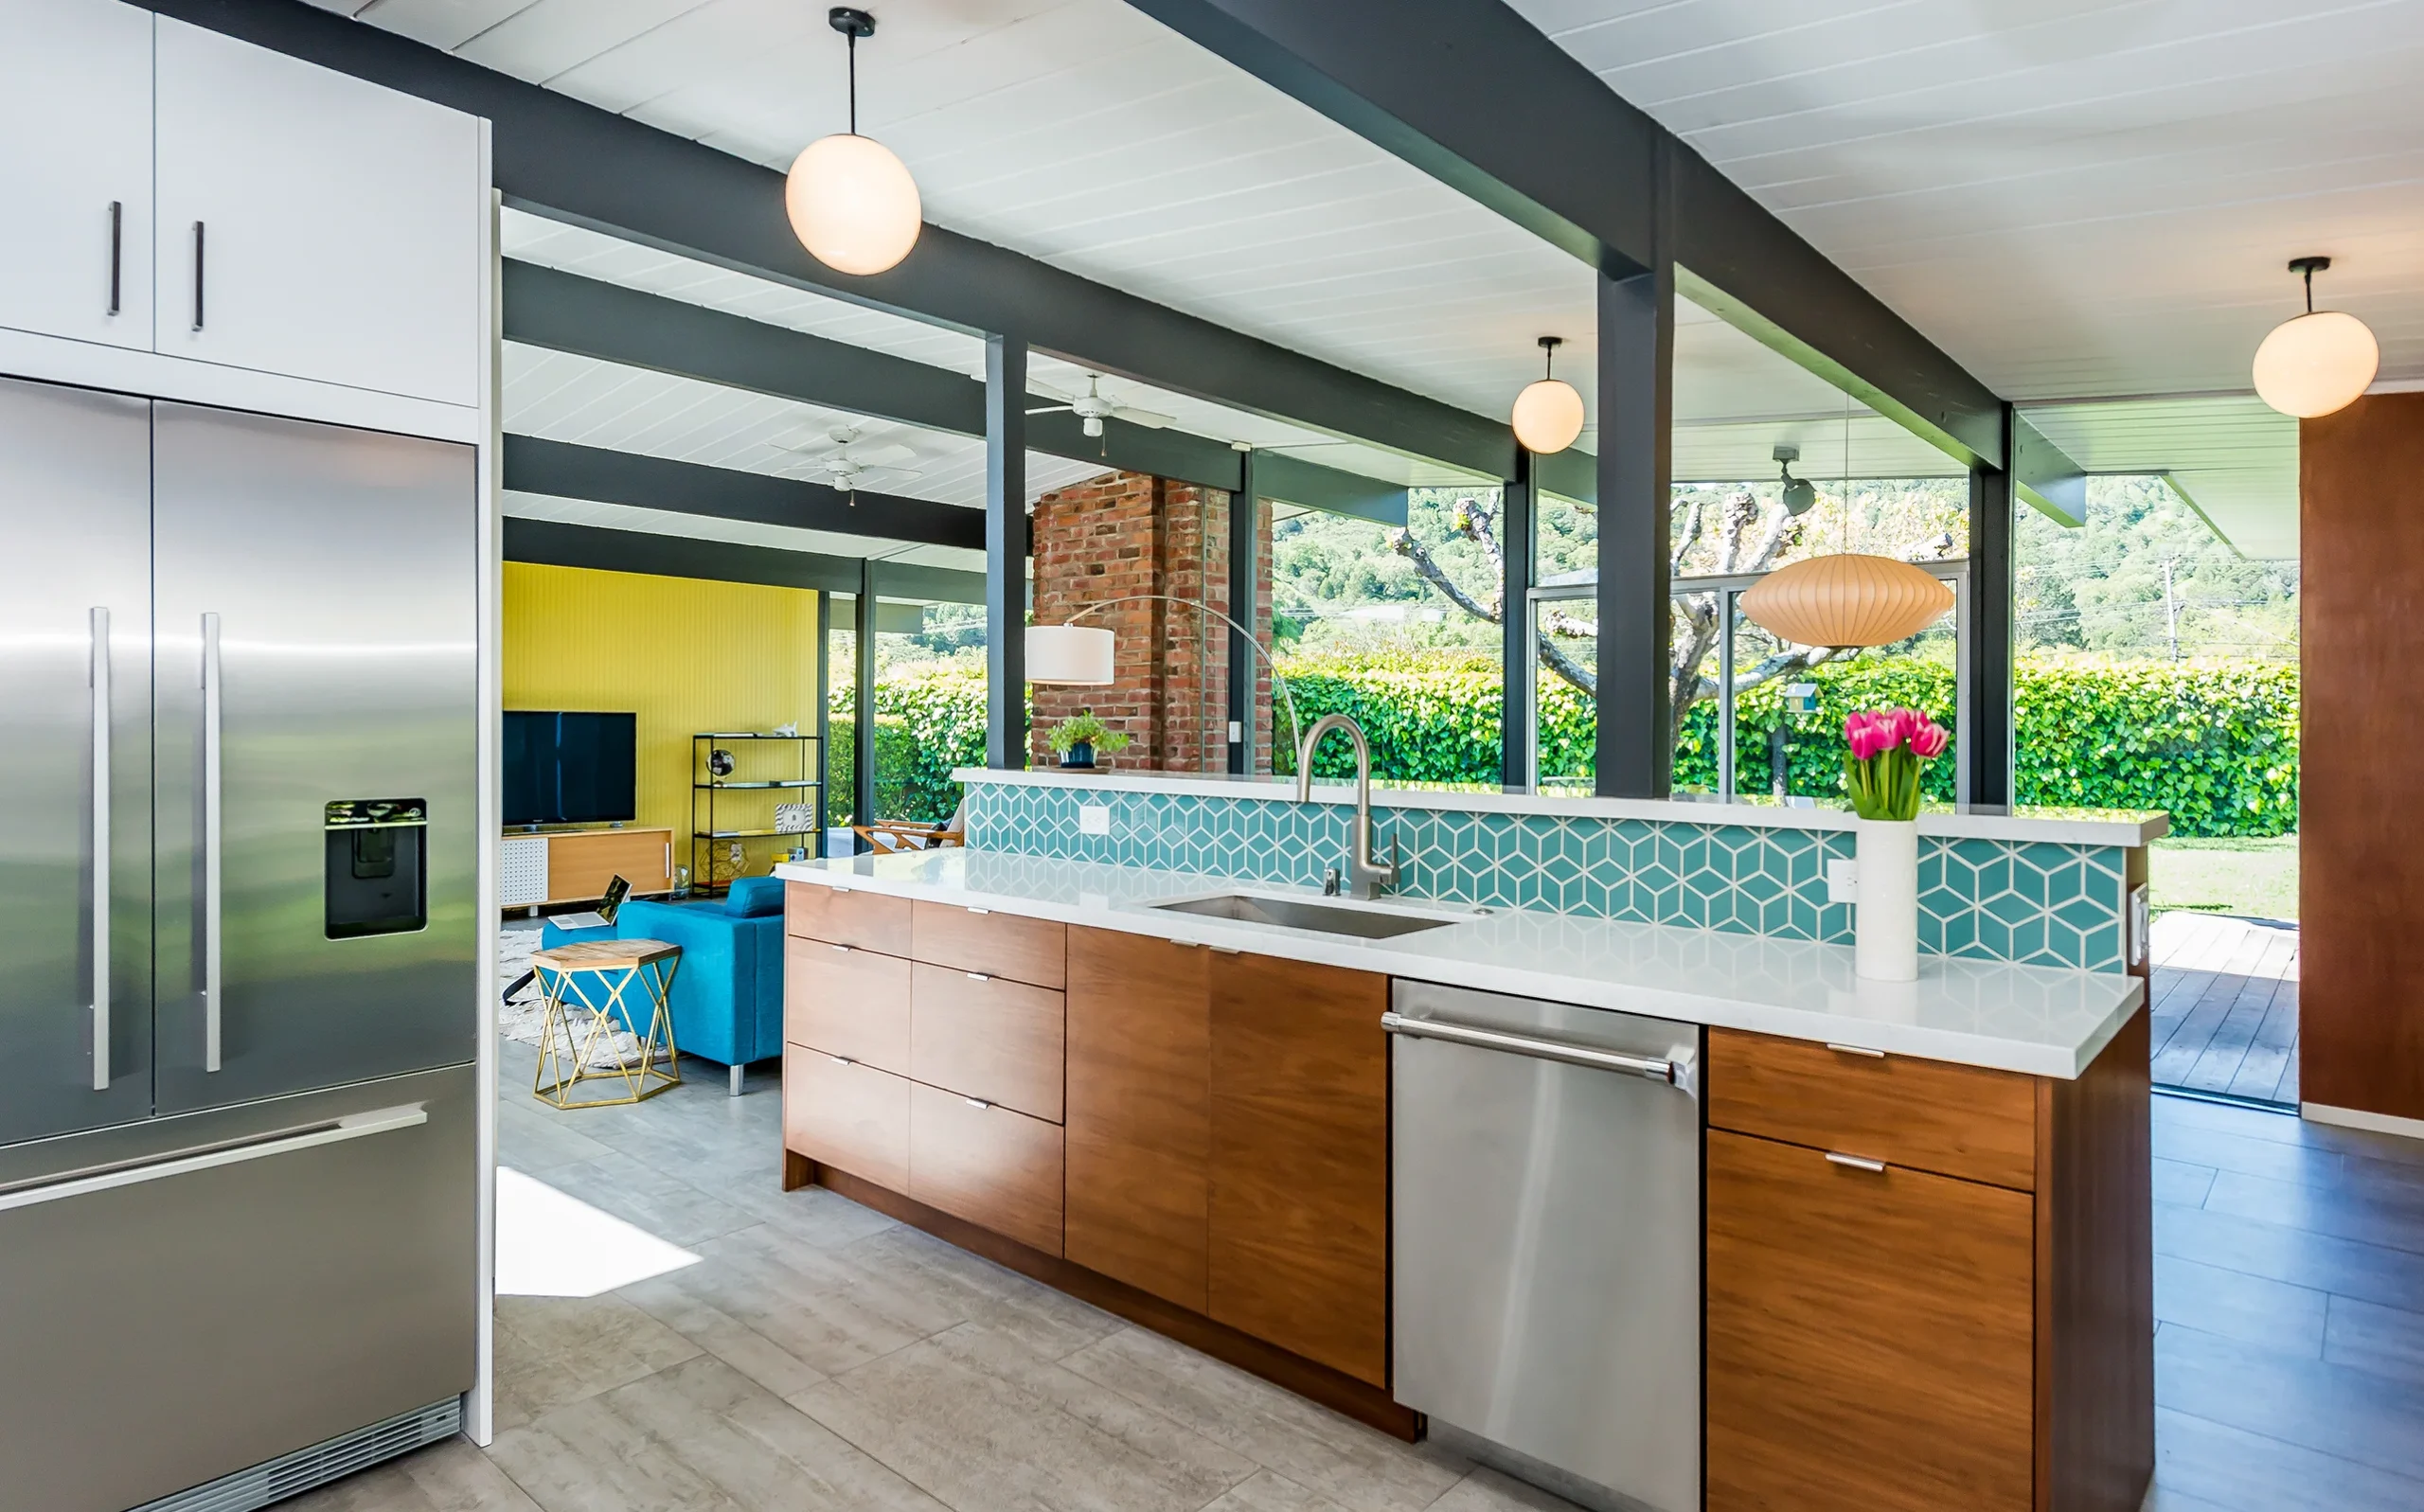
[{"x": 615, "y": 967}]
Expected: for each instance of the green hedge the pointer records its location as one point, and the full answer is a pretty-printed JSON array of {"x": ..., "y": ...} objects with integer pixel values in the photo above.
[
  {"x": 2216, "y": 744},
  {"x": 923, "y": 728}
]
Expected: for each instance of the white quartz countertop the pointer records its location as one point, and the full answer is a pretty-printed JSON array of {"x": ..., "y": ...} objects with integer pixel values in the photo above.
[
  {"x": 2036, "y": 1020},
  {"x": 2064, "y": 827}
]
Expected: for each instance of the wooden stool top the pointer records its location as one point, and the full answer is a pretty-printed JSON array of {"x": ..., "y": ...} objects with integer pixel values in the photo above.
[{"x": 603, "y": 955}]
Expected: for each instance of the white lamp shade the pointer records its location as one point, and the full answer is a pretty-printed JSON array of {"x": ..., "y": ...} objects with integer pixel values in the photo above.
[
  {"x": 2317, "y": 362},
  {"x": 1068, "y": 654},
  {"x": 853, "y": 204},
  {"x": 1847, "y": 599},
  {"x": 1548, "y": 416}
]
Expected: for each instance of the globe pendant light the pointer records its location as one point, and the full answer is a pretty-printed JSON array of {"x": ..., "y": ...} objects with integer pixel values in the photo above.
[
  {"x": 1548, "y": 415},
  {"x": 852, "y": 203},
  {"x": 2319, "y": 361}
]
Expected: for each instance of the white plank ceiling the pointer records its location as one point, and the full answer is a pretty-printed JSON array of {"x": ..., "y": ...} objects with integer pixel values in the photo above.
[{"x": 2079, "y": 199}]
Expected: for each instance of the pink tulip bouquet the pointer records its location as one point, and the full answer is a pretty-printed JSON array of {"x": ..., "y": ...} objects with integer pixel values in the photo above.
[{"x": 1889, "y": 749}]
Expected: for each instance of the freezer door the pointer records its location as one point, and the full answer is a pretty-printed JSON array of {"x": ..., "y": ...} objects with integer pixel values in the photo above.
[
  {"x": 316, "y": 646},
  {"x": 188, "y": 1297},
  {"x": 75, "y": 760}
]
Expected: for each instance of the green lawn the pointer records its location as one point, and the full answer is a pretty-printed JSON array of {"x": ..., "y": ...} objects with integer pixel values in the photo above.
[{"x": 2255, "y": 877}]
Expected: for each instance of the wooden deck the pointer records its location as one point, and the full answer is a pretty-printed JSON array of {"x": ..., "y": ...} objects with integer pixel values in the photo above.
[{"x": 2226, "y": 1006}]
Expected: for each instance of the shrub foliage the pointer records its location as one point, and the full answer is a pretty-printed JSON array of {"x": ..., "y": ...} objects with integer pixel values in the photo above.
[{"x": 2214, "y": 744}]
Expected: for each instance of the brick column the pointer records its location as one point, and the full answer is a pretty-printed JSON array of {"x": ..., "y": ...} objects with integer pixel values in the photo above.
[{"x": 1129, "y": 533}]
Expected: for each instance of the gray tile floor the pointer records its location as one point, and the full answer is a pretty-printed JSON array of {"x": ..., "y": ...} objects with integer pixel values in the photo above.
[{"x": 822, "y": 1356}]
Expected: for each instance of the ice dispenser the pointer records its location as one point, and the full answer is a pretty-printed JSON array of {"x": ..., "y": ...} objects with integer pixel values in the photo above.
[{"x": 378, "y": 866}]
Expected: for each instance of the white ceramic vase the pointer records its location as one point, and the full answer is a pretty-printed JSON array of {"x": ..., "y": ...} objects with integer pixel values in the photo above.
[{"x": 1885, "y": 918}]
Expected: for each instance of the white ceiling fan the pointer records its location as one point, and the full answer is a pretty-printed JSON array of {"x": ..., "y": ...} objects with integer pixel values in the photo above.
[
  {"x": 1092, "y": 408},
  {"x": 845, "y": 465}
]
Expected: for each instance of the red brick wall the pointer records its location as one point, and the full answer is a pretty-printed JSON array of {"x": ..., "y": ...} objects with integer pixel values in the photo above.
[{"x": 1124, "y": 534}]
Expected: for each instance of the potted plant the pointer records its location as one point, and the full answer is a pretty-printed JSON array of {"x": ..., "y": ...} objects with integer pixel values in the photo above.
[
  {"x": 1079, "y": 737},
  {"x": 1888, "y": 750}
]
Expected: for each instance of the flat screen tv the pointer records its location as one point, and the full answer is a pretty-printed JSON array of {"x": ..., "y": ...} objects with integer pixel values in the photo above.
[{"x": 569, "y": 768}]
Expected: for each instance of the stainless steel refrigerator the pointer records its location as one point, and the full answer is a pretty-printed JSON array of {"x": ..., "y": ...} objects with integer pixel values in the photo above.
[{"x": 237, "y": 852}]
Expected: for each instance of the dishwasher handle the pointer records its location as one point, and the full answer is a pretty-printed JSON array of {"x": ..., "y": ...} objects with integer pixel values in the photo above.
[{"x": 1675, "y": 1071}]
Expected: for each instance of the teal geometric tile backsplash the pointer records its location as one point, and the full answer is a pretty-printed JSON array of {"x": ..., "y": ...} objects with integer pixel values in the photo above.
[{"x": 2027, "y": 902}]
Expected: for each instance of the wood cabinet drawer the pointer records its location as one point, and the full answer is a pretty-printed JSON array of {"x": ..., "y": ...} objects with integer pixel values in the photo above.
[
  {"x": 1033, "y": 951},
  {"x": 1954, "y": 1120},
  {"x": 1871, "y": 1340},
  {"x": 840, "y": 915},
  {"x": 847, "y": 1002},
  {"x": 995, "y": 1167},
  {"x": 853, "y": 1117},
  {"x": 987, "y": 1038}
]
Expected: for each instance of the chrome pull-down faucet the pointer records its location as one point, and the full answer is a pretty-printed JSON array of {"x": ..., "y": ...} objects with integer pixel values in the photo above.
[{"x": 1367, "y": 876}]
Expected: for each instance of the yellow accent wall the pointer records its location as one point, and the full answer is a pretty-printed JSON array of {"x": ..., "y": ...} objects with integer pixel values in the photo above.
[{"x": 683, "y": 654}]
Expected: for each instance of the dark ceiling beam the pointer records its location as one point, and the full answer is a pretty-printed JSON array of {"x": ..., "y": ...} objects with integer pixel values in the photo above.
[
  {"x": 1562, "y": 155},
  {"x": 563, "y": 312},
  {"x": 575, "y": 163},
  {"x": 557, "y": 543},
  {"x": 564, "y": 471}
]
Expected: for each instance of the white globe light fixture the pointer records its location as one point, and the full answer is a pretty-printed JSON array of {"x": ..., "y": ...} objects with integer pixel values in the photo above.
[
  {"x": 2319, "y": 361},
  {"x": 1548, "y": 414},
  {"x": 852, "y": 203}
]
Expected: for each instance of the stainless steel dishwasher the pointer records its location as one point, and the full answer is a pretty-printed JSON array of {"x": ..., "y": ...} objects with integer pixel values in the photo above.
[{"x": 1545, "y": 1215}]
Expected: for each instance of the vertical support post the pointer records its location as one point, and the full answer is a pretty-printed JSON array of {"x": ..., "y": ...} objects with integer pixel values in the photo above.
[
  {"x": 1518, "y": 543},
  {"x": 824, "y": 718},
  {"x": 1635, "y": 751},
  {"x": 1005, "y": 552},
  {"x": 1986, "y": 741},
  {"x": 1245, "y": 549},
  {"x": 862, "y": 683}
]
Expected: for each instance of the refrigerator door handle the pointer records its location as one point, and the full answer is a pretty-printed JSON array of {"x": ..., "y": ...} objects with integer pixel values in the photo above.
[
  {"x": 101, "y": 1006},
  {"x": 184, "y": 1162},
  {"x": 210, "y": 837}
]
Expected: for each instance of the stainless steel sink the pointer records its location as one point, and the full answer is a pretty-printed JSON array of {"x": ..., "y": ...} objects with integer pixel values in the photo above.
[{"x": 1326, "y": 919}]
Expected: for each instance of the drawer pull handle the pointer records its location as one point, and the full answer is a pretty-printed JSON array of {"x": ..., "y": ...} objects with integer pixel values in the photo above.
[
  {"x": 978, "y": 976},
  {"x": 1858, "y": 1163},
  {"x": 980, "y": 910},
  {"x": 841, "y": 1060},
  {"x": 1855, "y": 1050},
  {"x": 845, "y": 891},
  {"x": 1227, "y": 949},
  {"x": 976, "y": 1102},
  {"x": 844, "y": 949}
]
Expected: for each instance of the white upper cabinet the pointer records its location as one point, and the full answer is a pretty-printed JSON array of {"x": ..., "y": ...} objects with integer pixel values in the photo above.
[
  {"x": 312, "y": 224},
  {"x": 75, "y": 142}
]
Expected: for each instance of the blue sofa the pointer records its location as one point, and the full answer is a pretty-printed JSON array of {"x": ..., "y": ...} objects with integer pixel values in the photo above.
[{"x": 727, "y": 995}]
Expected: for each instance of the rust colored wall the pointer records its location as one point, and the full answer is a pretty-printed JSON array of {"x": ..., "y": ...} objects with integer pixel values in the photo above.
[
  {"x": 2361, "y": 900},
  {"x": 1127, "y": 533}
]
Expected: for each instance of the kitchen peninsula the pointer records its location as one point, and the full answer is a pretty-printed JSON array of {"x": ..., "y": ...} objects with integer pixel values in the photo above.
[{"x": 1899, "y": 1233}]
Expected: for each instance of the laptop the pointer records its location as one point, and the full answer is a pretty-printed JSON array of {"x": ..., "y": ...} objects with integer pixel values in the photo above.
[{"x": 603, "y": 914}]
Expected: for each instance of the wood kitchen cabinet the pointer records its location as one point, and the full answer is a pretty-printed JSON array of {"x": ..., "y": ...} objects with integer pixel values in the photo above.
[
  {"x": 1140, "y": 1112},
  {"x": 1300, "y": 1159},
  {"x": 1928, "y": 1286}
]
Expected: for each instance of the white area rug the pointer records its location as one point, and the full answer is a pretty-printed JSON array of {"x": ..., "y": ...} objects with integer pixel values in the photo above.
[
  {"x": 522, "y": 1018},
  {"x": 550, "y": 1244}
]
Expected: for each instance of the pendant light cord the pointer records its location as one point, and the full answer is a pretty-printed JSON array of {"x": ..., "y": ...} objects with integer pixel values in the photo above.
[
  {"x": 2310, "y": 271},
  {"x": 853, "y": 38}
]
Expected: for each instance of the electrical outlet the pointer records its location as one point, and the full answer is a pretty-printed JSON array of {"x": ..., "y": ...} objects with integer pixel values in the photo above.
[
  {"x": 1094, "y": 819},
  {"x": 1843, "y": 881}
]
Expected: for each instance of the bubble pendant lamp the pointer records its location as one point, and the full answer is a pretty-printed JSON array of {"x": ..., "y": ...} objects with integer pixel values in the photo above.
[
  {"x": 1847, "y": 599},
  {"x": 852, "y": 203}
]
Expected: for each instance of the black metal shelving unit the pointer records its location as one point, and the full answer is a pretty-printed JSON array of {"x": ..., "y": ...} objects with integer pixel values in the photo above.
[{"x": 714, "y": 826}]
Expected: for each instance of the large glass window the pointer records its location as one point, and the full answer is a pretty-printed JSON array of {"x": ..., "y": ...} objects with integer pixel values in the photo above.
[{"x": 1399, "y": 628}]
